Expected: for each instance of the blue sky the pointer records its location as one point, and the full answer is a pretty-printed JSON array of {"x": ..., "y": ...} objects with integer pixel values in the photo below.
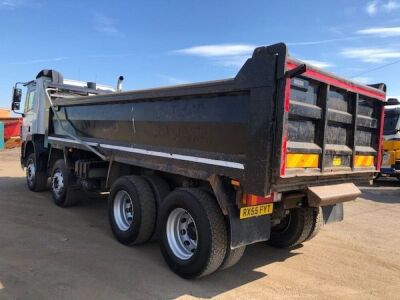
[{"x": 157, "y": 43}]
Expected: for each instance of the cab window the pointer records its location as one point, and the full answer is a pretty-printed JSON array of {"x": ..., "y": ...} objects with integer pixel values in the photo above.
[
  {"x": 30, "y": 97},
  {"x": 390, "y": 126}
]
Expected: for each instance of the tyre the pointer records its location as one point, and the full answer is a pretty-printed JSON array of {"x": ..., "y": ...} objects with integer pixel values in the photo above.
[
  {"x": 294, "y": 229},
  {"x": 232, "y": 257},
  {"x": 318, "y": 223},
  {"x": 132, "y": 210},
  {"x": 193, "y": 233},
  {"x": 36, "y": 180},
  {"x": 61, "y": 179},
  {"x": 160, "y": 190}
]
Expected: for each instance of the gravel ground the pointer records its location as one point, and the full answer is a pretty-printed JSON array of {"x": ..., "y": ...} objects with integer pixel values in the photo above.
[{"x": 47, "y": 252}]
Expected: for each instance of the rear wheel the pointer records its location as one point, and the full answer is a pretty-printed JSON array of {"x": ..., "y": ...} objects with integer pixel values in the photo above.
[
  {"x": 193, "y": 233},
  {"x": 132, "y": 210},
  {"x": 318, "y": 223},
  {"x": 36, "y": 180},
  {"x": 294, "y": 229},
  {"x": 160, "y": 190},
  {"x": 232, "y": 257}
]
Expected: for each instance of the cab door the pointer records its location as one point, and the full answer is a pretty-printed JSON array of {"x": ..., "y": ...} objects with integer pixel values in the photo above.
[{"x": 29, "y": 125}]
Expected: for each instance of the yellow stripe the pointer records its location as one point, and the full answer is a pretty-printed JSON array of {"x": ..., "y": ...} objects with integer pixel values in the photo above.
[
  {"x": 296, "y": 160},
  {"x": 364, "y": 161},
  {"x": 391, "y": 145},
  {"x": 395, "y": 156}
]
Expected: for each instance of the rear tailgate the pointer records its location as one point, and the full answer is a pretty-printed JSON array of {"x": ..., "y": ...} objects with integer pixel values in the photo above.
[{"x": 330, "y": 125}]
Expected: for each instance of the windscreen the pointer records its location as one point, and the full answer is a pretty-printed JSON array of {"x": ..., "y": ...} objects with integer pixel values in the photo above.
[{"x": 391, "y": 119}]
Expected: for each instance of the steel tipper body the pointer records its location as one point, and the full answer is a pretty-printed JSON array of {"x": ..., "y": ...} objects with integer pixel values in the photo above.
[
  {"x": 391, "y": 140},
  {"x": 209, "y": 168}
]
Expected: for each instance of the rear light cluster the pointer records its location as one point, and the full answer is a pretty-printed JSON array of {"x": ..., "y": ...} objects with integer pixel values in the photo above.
[{"x": 250, "y": 200}]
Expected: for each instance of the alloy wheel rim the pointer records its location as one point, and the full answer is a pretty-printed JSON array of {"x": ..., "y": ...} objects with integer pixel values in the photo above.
[
  {"x": 123, "y": 210},
  {"x": 30, "y": 172},
  {"x": 182, "y": 233},
  {"x": 57, "y": 182}
]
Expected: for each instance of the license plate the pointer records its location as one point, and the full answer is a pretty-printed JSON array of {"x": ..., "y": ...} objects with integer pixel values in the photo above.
[
  {"x": 336, "y": 161},
  {"x": 256, "y": 210},
  {"x": 386, "y": 160}
]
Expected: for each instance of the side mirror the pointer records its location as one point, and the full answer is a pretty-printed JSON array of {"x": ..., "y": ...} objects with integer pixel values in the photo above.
[
  {"x": 16, "y": 99},
  {"x": 15, "y": 106}
]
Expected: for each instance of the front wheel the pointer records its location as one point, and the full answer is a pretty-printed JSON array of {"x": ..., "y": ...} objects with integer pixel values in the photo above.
[
  {"x": 193, "y": 233},
  {"x": 36, "y": 180}
]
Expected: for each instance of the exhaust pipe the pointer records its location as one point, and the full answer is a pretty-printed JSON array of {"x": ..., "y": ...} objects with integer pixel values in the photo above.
[{"x": 119, "y": 83}]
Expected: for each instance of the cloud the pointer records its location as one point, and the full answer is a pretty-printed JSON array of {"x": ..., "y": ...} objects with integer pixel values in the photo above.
[
  {"x": 37, "y": 61},
  {"x": 106, "y": 25},
  {"x": 370, "y": 55},
  {"x": 10, "y": 4},
  {"x": 317, "y": 63},
  {"x": 319, "y": 42},
  {"x": 372, "y": 8},
  {"x": 375, "y": 7},
  {"x": 235, "y": 55},
  {"x": 380, "y": 31},
  {"x": 219, "y": 50},
  {"x": 390, "y": 6},
  {"x": 227, "y": 55}
]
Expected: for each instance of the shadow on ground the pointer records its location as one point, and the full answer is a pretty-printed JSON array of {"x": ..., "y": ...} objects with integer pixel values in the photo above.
[
  {"x": 391, "y": 186},
  {"x": 75, "y": 246}
]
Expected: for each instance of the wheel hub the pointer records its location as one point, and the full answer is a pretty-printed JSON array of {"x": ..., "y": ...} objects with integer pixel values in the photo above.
[
  {"x": 30, "y": 171},
  {"x": 123, "y": 210},
  {"x": 182, "y": 233},
  {"x": 58, "y": 182}
]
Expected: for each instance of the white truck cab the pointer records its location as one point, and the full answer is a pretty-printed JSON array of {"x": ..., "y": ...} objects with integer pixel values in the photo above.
[{"x": 36, "y": 104}]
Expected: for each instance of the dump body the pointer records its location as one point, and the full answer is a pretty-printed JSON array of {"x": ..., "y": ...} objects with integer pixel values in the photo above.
[{"x": 270, "y": 128}]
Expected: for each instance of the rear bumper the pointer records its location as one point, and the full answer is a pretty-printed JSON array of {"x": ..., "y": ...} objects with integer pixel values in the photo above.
[
  {"x": 302, "y": 183},
  {"x": 332, "y": 194}
]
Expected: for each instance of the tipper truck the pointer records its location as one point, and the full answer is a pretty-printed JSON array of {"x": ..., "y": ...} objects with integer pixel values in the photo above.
[
  {"x": 391, "y": 140},
  {"x": 207, "y": 168}
]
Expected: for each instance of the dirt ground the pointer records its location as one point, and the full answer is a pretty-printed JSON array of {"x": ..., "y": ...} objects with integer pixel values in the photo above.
[{"x": 47, "y": 252}]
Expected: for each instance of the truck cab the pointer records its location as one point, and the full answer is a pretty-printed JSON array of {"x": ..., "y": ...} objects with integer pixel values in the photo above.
[
  {"x": 36, "y": 104},
  {"x": 391, "y": 140}
]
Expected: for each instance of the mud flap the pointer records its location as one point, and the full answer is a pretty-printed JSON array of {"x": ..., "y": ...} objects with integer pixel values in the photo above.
[
  {"x": 333, "y": 213},
  {"x": 332, "y": 194},
  {"x": 247, "y": 231}
]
